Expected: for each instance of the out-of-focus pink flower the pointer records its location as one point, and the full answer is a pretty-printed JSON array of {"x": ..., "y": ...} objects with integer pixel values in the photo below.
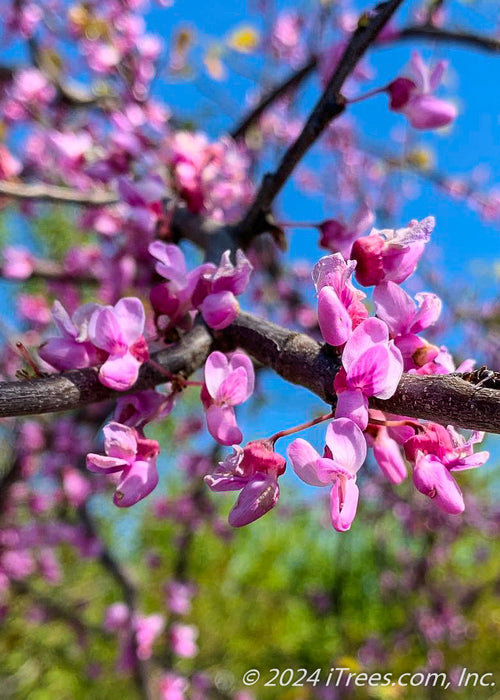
[
  {"x": 372, "y": 366},
  {"x": 147, "y": 628},
  {"x": 391, "y": 254},
  {"x": 101, "y": 57},
  {"x": 10, "y": 166},
  {"x": 49, "y": 565},
  {"x": 436, "y": 452},
  {"x": 338, "y": 236},
  {"x": 413, "y": 96},
  {"x": 254, "y": 470},
  {"x": 183, "y": 640},
  {"x": 345, "y": 452},
  {"x": 30, "y": 90},
  {"x": 132, "y": 455},
  {"x": 119, "y": 331},
  {"x": 76, "y": 487},
  {"x": 210, "y": 177},
  {"x": 173, "y": 687},
  {"x": 17, "y": 263},
  {"x": 117, "y": 617},
  {"x": 340, "y": 306},
  {"x": 179, "y": 595},
  {"x": 286, "y": 37},
  {"x": 228, "y": 383}
]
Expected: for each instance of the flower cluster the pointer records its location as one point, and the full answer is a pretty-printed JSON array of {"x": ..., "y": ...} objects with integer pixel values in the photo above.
[
  {"x": 209, "y": 288},
  {"x": 111, "y": 336}
]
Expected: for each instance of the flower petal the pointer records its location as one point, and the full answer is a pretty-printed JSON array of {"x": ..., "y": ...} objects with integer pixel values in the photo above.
[
  {"x": 347, "y": 444},
  {"x": 344, "y": 498},
  {"x": 216, "y": 370},
  {"x": 256, "y": 499},
  {"x": 394, "y": 306},
  {"x": 353, "y": 404},
  {"x": 120, "y": 372},
  {"x": 138, "y": 481},
  {"x": 368, "y": 333},
  {"x": 131, "y": 318},
  {"x": 105, "y": 464},
  {"x": 303, "y": 458},
  {"x": 120, "y": 441},
  {"x": 221, "y": 424}
]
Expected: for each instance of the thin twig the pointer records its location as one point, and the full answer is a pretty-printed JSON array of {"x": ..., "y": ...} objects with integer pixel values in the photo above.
[{"x": 330, "y": 105}]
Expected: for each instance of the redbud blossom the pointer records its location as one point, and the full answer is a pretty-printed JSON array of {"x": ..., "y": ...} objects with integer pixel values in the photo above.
[
  {"x": 372, "y": 366},
  {"x": 391, "y": 254},
  {"x": 338, "y": 236},
  {"x": 345, "y": 452},
  {"x": 118, "y": 330},
  {"x": 255, "y": 470},
  {"x": 131, "y": 455},
  {"x": 436, "y": 452},
  {"x": 228, "y": 383},
  {"x": 340, "y": 307},
  {"x": 73, "y": 350},
  {"x": 413, "y": 96}
]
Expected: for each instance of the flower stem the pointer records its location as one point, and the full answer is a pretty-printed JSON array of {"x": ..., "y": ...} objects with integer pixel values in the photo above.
[
  {"x": 366, "y": 95},
  {"x": 302, "y": 426},
  {"x": 297, "y": 224}
]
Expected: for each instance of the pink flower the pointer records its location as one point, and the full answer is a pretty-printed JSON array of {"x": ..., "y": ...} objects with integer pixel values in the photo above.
[
  {"x": 216, "y": 290},
  {"x": 179, "y": 597},
  {"x": 372, "y": 366},
  {"x": 174, "y": 298},
  {"x": 142, "y": 407},
  {"x": 339, "y": 236},
  {"x": 9, "y": 165},
  {"x": 131, "y": 455},
  {"x": 340, "y": 307},
  {"x": 183, "y": 640},
  {"x": 147, "y": 628},
  {"x": 30, "y": 89},
  {"x": 49, "y": 565},
  {"x": 286, "y": 37},
  {"x": 436, "y": 452},
  {"x": 18, "y": 263},
  {"x": 73, "y": 350},
  {"x": 228, "y": 383},
  {"x": 345, "y": 452},
  {"x": 254, "y": 470},
  {"x": 391, "y": 254},
  {"x": 118, "y": 330},
  {"x": 404, "y": 319},
  {"x": 75, "y": 486},
  {"x": 173, "y": 687},
  {"x": 117, "y": 617},
  {"x": 413, "y": 96}
]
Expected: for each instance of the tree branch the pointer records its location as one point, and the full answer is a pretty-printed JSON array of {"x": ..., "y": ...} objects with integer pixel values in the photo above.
[
  {"x": 54, "y": 193},
  {"x": 445, "y": 399},
  {"x": 80, "y": 387},
  {"x": 330, "y": 105},
  {"x": 477, "y": 41},
  {"x": 290, "y": 83}
]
